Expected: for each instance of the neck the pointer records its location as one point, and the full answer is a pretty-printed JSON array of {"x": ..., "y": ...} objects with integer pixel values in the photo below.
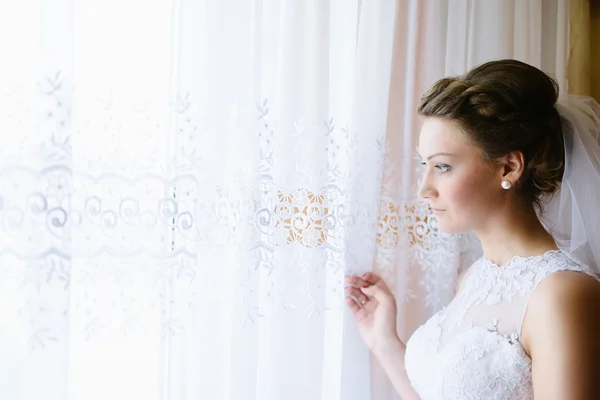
[{"x": 514, "y": 232}]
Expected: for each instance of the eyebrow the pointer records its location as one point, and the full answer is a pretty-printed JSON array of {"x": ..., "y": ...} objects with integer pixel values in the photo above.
[{"x": 437, "y": 155}]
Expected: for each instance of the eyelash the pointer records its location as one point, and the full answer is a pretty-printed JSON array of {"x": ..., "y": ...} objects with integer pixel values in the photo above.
[{"x": 443, "y": 168}]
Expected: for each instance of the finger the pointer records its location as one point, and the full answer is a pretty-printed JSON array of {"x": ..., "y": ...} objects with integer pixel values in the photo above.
[
  {"x": 352, "y": 304},
  {"x": 360, "y": 297},
  {"x": 377, "y": 292},
  {"x": 357, "y": 281},
  {"x": 357, "y": 308},
  {"x": 370, "y": 278}
]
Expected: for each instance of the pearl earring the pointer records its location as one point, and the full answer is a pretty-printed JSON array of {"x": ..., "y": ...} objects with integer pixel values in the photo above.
[{"x": 506, "y": 185}]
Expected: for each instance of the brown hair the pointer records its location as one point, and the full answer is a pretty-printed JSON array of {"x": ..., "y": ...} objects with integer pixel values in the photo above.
[{"x": 504, "y": 106}]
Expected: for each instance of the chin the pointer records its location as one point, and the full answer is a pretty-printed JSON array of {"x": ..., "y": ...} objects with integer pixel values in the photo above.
[{"x": 449, "y": 227}]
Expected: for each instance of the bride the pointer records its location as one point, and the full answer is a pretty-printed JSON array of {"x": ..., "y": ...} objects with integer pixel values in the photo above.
[{"x": 508, "y": 162}]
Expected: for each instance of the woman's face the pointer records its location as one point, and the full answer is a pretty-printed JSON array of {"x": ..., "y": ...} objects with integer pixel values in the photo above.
[{"x": 459, "y": 185}]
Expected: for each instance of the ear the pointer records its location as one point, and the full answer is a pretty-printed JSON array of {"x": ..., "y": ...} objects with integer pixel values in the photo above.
[{"x": 511, "y": 166}]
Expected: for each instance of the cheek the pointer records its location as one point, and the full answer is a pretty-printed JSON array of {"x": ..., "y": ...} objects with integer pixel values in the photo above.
[{"x": 469, "y": 193}]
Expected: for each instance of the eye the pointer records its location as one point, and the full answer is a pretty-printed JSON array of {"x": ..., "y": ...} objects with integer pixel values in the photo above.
[{"x": 443, "y": 168}]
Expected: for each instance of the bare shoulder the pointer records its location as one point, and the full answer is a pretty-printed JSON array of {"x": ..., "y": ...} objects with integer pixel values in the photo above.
[
  {"x": 563, "y": 297},
  {"x": 560, "y": 332},
  {"x": 565, "y": 290}
]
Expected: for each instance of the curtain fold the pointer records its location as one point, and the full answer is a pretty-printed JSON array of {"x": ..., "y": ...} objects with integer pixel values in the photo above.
[{"x": 185, "y": 184}]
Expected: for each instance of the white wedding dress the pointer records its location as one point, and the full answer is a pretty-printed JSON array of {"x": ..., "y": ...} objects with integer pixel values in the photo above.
[{"x": 471, "y": 349}]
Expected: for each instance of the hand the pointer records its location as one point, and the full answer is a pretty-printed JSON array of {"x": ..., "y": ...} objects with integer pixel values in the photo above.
[{"x": 374, "y": 308}]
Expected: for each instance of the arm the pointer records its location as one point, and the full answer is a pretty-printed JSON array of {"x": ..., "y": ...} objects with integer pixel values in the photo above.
[
  {"x": 374, "y": 309},
  {"x": 561, "y": 332},
  {"x": 391, "y": 357}
]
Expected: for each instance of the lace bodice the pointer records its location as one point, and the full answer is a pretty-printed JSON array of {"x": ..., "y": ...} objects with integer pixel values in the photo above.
[{"x": 471, "y": 349}]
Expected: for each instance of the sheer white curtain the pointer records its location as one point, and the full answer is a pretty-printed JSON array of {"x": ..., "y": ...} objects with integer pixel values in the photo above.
[
  {"x": 180, "y": 195},
  {"x": 184, "y": 184}
]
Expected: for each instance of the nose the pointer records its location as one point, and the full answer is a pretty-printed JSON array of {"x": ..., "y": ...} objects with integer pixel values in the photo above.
[{"x": 426, "y": 188}]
